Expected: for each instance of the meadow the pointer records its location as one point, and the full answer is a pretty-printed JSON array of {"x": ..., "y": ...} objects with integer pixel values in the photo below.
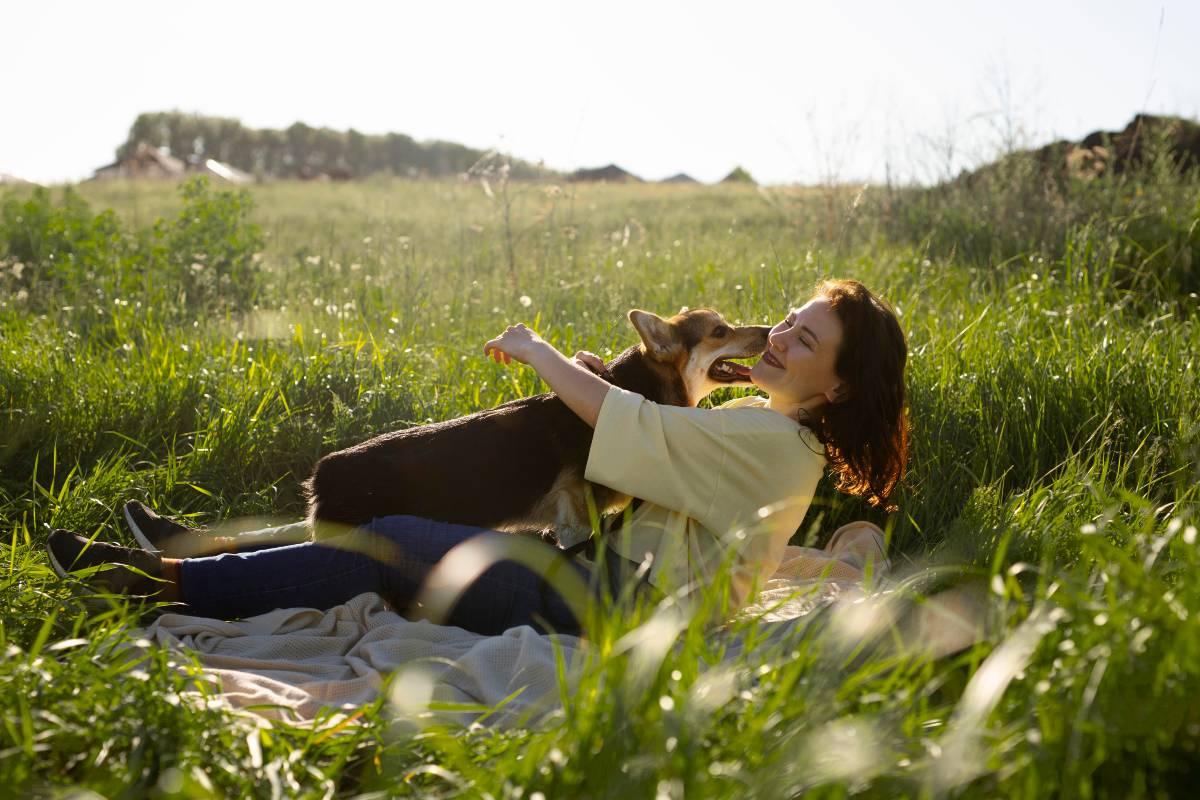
[{"x": 199, "y": 349}]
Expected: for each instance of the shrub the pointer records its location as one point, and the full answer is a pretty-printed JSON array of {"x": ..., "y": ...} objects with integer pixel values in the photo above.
[
  {"x": 211, "y": 247},
  {"x": 52, "y": 254},
  {"x": 62, "y": 254}
]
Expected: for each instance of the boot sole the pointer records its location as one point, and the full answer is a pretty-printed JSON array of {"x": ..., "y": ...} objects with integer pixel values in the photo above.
[
  {"x": 142, "y": 541},
  {"x": 58, "y": 568}
]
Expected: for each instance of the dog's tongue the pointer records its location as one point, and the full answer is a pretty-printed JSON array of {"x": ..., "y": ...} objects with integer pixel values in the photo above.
[{"x": 730, "y": 371}]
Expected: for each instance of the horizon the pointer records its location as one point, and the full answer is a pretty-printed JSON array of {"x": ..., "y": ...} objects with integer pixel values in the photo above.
[{"x": 913, "y": 95}]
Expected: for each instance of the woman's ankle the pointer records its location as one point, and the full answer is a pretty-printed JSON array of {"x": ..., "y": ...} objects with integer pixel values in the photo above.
[{"x": 172, "y": 575}]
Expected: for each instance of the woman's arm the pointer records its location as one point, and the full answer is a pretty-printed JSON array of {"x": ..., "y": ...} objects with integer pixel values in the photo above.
[{"x": 578, "y": 387}]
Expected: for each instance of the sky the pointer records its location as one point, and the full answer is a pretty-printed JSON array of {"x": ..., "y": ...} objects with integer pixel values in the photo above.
[{"x": 794, "y": 91}]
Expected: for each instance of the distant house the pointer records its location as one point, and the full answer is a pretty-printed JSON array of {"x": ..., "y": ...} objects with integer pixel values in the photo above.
[
  {"x": 143, "y": 162},
  {"x": 681, "y": 177},
  {"x": 146, "y": 161},
  {"x": 220, "y": 171},
  {"x": 609, "y": 174},
  {"x": 738, "y": 175},
  {"x": 13, "y": 180}
]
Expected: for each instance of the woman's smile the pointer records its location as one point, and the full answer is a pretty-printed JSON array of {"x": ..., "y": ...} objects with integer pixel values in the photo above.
[{"x": 771, "y": 360}]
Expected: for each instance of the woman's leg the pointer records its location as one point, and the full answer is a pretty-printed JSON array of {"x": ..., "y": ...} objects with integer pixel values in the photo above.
[
  {"x": 233, "y": 585},
  {"x": 231, "y": 540},
  {"x": 159, "y": 534},
  {"x": 391, "y": 556},
  {"x": 248, "y": 534},
  {"x": 242, "y": 535},
  {"x": 505, "y": 595}
]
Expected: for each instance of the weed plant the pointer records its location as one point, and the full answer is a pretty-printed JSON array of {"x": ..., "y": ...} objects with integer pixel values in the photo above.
[{"x": 200, "y": 349}]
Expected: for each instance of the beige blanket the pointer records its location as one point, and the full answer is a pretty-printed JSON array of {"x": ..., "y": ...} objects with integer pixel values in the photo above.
[{"x": 298, "y": 664}]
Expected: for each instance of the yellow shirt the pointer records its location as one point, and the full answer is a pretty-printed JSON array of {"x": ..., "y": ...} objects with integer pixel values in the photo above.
[{"x": 704, "y": 475}]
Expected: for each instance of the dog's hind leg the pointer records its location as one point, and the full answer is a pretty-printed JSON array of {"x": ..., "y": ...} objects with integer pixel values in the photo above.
[
  {"x": 560, "y": 516},
  {"x": 572, "y": 522}
]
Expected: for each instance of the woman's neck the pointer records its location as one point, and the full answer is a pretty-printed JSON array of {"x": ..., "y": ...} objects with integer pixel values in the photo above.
[{"x": 796, "y": 409}]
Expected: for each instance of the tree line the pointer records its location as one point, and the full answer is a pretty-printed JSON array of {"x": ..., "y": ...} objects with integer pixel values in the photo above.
[{"x": 301, "y": 151}]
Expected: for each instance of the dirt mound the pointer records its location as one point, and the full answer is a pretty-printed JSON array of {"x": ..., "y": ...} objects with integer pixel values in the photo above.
[
  {"x": 1178, "y": 137},
  {"x": 1101, "y": 152},
  {"x": 608, "y": 174}
]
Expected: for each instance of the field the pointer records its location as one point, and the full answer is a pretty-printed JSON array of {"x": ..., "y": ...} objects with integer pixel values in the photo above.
[{"x": 199, "y": 350}]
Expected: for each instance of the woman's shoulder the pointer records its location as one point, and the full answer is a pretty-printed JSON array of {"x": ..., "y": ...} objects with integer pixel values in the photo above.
[
  {"x": 742, "y": 417},
  {"x": 753, "y": 416},
  {"x": 753, "y": 411}
]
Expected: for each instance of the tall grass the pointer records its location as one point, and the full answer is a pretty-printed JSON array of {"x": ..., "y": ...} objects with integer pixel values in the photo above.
[{"x": 1053, "y": 481}]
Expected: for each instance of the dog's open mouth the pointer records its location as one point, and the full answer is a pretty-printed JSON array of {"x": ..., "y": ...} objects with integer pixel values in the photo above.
[{"x": 726, "y": 371}]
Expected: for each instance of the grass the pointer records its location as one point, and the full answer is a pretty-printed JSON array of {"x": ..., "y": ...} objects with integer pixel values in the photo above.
[{"x": 1056, "y": 433}]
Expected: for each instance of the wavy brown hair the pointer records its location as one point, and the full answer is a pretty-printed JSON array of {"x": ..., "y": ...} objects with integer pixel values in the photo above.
[{"x": 865, "y": 433}]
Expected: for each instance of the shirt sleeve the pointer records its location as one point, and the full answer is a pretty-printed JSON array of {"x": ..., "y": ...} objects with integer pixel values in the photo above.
[{"x": 689, "y": 460}]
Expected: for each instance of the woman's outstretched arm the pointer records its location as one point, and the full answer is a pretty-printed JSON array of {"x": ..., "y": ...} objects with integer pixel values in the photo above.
[{"x": 582, "y": 390}]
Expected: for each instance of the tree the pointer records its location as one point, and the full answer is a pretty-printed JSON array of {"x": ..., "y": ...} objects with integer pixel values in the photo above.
[{"x": 300, "y": 150}]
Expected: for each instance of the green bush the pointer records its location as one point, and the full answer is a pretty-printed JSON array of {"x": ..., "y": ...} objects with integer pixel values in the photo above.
[
  {"x": 62, "y": 254},
  {"x": 210, "y": 249},
  {"x": 57, "y": 254}
]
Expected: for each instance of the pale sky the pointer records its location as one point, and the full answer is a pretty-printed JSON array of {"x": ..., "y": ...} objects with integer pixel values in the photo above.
[{"x": 794, "y": 91}]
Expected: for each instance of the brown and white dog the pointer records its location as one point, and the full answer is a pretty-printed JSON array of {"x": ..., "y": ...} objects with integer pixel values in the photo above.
[{"x": 519, "y": 466}]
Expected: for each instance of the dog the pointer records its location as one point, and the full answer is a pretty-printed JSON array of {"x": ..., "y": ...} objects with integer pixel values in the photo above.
[{"x": 519, "y": 467}]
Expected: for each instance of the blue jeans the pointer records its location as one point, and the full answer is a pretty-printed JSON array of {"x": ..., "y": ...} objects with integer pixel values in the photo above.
[{"x": 390, "y": 556}]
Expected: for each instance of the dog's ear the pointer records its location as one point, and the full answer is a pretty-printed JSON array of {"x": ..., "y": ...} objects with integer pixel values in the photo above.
[{"x": 658, "y": 336}]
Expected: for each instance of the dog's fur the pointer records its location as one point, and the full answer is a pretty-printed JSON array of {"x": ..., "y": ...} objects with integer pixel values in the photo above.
[{"x": 520, "y": 466}]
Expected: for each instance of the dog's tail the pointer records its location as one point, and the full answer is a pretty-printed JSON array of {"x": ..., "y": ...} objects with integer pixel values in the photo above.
[{"x": 332, "y": 499}]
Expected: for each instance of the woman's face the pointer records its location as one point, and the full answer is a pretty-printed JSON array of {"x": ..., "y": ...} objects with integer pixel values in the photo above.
[{"x": 798, "y": 365}]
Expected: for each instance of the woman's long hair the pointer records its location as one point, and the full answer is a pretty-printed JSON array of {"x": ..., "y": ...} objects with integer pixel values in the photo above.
[{"x": 865, "y": 433}]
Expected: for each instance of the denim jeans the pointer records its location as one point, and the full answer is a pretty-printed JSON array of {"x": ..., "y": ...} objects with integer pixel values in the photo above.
[{"x": 390, "y": 556}]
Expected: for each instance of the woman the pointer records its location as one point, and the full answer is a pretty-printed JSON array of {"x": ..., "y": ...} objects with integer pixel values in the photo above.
[{"x": 833, "y": 373}]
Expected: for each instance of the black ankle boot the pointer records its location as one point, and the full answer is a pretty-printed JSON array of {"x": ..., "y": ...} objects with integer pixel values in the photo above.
[
  {"x": 122, "y": 570},
  {"x": 157, "y": 534}
]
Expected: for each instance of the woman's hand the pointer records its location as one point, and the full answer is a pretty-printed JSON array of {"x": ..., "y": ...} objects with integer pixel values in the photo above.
[
  {"x": 517, "y": 342},
  {"x": 572, "y": 381},
  {"x": 590, "y": 361}
]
